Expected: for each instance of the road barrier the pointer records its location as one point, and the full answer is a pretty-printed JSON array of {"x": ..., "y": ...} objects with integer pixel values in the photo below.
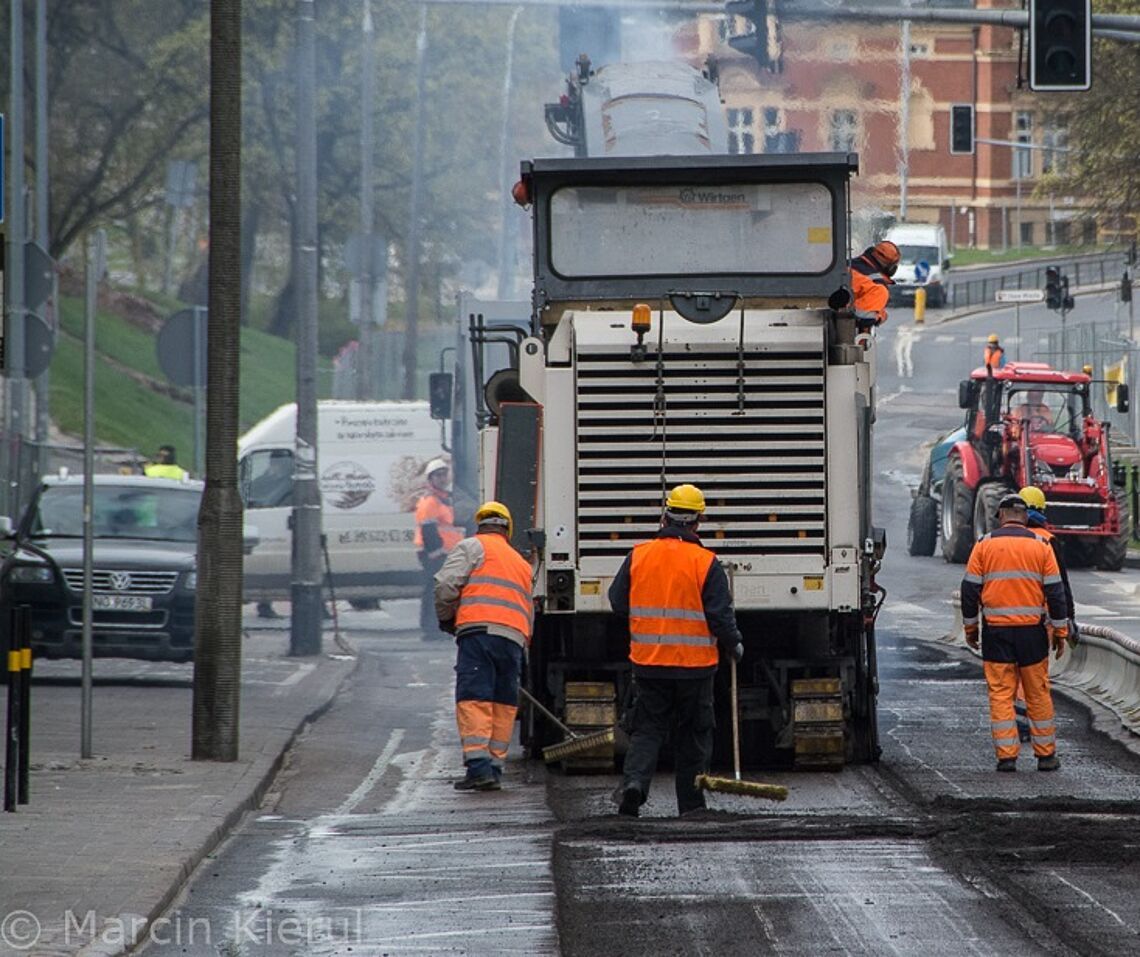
[
  {"x": 1103, "y": 665},
  {"x": 18, "y": 732},
  {"x": 1095, "y": 269}
]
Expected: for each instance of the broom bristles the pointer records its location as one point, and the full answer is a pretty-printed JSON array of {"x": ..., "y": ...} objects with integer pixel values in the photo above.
[
  {"x": 572, "y": 746},
  {"x": 773, "y": 792}
]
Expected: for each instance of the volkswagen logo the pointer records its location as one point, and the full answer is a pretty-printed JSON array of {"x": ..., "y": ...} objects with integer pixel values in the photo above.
[{"x": 120, "y": 581}]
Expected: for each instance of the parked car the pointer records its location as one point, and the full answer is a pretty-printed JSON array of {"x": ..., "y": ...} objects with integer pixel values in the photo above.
[
  {"x": 144, "y": 578},
  {"x": 922, "y": 528}
]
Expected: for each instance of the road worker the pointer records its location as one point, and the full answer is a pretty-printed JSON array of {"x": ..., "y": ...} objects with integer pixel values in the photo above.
[
  {"x": 165, "y": 465},
  {"x": 436, "y": 535},
  {"x": 994, "y": 355},
  {"x": 1034, "y": 500},
  {"x": 677, "y": 598},
  {"x": 1011, "y": 579},
  {"x": 871, "y": 281},
  {"x": 483, "y": 597}
]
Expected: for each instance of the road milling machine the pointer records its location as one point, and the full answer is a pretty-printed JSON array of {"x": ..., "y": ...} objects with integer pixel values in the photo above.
[{"x": 690, "y": 324}]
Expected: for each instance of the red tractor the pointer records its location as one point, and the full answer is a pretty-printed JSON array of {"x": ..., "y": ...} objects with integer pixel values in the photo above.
[{"x": 1028, "y": 424}]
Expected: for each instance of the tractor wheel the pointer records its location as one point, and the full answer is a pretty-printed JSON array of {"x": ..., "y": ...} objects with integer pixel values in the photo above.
[
  {"x": 985, "y": 509},
  {"x": 922, "y": 529},
  {"x": 1113, "y": 551},
  {"x": 1080, "y": 552},
  {"x": 957, "y": 514}
]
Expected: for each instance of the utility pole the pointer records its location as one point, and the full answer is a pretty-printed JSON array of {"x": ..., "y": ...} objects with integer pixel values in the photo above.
[
  {"x": 366, "y": 371},
  {"x": 217, "y": 621},
  {"x": 904, "y": 118},
  {"x": 14, "y": 270},
  {"x": 43, "y": 380},
  {"x": 506, "y": 204},
  {"x": 412, "y": 310},
  {"x": 305, "y": 586}
]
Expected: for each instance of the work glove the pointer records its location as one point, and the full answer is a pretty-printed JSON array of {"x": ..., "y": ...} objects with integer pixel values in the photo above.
[
  {"x": 1060, "y": 636},
  {"x": 448, "y": 626},
  {"x": 972, "y": 637},
  {"x": 738, "y": 652}
]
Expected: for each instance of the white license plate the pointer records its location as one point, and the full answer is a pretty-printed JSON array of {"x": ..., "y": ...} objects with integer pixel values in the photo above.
[{"x": 120, "y": 602}]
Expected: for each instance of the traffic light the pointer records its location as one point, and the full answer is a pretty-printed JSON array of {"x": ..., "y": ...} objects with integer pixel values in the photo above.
[
  {"x": 1060, "y": 44},
  {"x": 763, "y": 43},
  {"x": 1053, "y": 294},
  {"x": 961, "y": 128}
]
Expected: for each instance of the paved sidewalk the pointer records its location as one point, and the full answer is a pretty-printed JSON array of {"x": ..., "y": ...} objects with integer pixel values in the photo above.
[{"x": 105, "y": 843}]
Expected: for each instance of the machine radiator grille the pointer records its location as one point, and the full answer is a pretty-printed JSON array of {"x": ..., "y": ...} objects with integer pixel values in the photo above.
[{"x": 756, "y": 448}]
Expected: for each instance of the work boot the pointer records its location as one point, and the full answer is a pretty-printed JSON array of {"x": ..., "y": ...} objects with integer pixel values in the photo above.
[
  {"x": 488, "y": 783},
  {"x": 1007, "y": 764},
  {"x": 629, "y": 800},
  {"x": 1049, "y": 763}
]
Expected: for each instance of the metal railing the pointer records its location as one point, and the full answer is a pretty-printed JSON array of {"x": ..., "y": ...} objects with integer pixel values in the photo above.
[{"x": 1091, "y": 270}]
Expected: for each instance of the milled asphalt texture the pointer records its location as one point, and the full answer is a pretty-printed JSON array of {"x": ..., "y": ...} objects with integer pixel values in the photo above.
[{"x": 105, "y": 844}]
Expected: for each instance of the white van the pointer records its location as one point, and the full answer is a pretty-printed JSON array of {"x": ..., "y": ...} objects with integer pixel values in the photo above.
[
  {"x": 370, "y": 458},
  {"x": 921, "y": 243}
]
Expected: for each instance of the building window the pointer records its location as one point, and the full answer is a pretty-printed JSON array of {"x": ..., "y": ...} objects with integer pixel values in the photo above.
[
  {"x": 1022, "y": 133},
  {"x": 843, "y": 131},
  {"x": 1088, "y": 232},
  {"x": 741, "y": 131},
  {"x": 773, "y": 127},
  {"x": 920, "y": 50},
  {"x": 1027, "y": 234},
  {"x": 1055, "y": 139},
  {"x": 1062, "y": 232}
]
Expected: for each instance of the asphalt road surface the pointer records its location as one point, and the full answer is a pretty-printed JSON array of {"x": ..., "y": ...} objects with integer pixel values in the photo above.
[{"x": 364, "y": 848}]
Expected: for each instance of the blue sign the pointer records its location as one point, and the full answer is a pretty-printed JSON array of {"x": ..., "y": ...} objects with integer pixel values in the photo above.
[{"x": 921, "y": 271}]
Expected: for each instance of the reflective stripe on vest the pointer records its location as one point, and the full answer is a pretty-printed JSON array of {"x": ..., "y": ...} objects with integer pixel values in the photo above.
[
  {"x": 430, "y": 508},
  {"x": 1013, "y": 567},
  {"x": 667, "y": 625},
  {"x": 499, "y": 589}
]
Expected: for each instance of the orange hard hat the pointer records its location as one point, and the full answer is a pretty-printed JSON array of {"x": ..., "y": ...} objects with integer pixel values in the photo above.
[{"x": 885, "y": 253}]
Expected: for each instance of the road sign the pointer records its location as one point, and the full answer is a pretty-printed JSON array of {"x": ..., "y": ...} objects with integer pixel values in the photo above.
[
  {"x": 1020, "y": 295},
  {"x": 176, "y": 353},
  {"x": 38, "y": 269},
  {"x": 39, "y": 345}
]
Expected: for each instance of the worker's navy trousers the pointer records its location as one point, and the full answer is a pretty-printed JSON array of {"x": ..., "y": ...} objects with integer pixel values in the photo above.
[
  {"x": 683, "y": 706},
  {"x": 487, "y": 671}
]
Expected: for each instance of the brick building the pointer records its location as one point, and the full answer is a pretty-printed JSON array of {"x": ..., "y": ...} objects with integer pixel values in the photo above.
[{"x": 839, "y": 88}]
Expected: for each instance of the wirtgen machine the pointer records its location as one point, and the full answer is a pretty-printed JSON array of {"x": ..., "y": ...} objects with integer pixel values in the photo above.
[{"x": 688, "y": 325}]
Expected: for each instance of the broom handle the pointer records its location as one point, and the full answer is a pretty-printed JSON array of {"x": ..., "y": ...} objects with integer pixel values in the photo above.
[
  {"x": 538, "y": 704},
  {"x": 735, "y": 726}
]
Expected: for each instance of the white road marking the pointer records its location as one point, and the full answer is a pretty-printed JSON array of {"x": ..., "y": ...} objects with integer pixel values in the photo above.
[
  {"x": 904, "y": 352},
  {"x": 914, "y": 757},
  {"x": 374, "y": 775},
  {"x": 945, "y": 338},
  {"x": 1092, "y": 900}
]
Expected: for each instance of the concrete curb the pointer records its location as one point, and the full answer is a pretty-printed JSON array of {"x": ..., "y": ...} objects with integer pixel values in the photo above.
[{"x": 259, "y": 778}]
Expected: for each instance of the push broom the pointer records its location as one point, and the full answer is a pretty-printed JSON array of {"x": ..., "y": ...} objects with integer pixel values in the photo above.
[
  {"x": 734, "y": 785},
  {"x": 574, "y": 743}
]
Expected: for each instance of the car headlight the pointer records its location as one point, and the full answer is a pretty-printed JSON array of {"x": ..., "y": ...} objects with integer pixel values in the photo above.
[
  {"x": 31, "y": 575},
  {"x": 190, "y": 582}
]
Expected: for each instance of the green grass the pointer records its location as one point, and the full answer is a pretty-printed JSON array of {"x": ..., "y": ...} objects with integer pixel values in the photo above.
[
  {"x": 131, "y": 414},
  {"x": 977, "y": 257}
]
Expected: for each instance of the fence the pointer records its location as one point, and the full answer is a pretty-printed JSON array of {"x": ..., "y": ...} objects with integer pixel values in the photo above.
[{"x": 1095, "y": 269}]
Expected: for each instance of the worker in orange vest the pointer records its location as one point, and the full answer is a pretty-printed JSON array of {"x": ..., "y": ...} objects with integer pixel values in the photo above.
[
  {"x": 871, "y": 282},
  {"x": 1011, "y": 581},
  {"x": 677, "y": 598},
  {"x": 436, "y": 535},
  {"x": 993, "y": 355},
  {"x": 483, "y": 597},
  {"x": 1034, "y": 500}
]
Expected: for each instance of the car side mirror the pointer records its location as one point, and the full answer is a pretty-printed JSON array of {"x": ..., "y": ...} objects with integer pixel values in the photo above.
[
  {"x": 967, "y": 393},
  {"x": 945, "y": 263},
  {"x": 439, "y": 394},
  {"x": 1122, "y": 404},
  {"x": 250, "y": 539}
]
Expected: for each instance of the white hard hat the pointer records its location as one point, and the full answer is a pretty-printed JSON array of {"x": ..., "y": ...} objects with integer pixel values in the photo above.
[{"x": 436, "y": 465}]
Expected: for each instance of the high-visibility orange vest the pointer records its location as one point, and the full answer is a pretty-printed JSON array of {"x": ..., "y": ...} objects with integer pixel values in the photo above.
[
  {"x": 992, "y": 355},
  {"x": 667, "y": 625},
  {"x": 871, "y": 289},
  {"x": 431, "y": 508},
  {"x": 499, "y": 589},
  {"x": 1013, "y": 570}
]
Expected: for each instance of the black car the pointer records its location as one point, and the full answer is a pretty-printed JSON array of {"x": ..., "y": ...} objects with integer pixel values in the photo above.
[{"x": 145, "y": 534}]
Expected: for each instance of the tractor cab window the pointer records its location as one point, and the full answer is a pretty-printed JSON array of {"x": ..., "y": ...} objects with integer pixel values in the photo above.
[{"x": 1046, "y": 411}]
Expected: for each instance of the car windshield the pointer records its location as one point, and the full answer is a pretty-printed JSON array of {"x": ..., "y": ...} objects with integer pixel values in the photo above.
[
  {"x": 155, "y": 514},
  {"x": 915, "y": 254}
]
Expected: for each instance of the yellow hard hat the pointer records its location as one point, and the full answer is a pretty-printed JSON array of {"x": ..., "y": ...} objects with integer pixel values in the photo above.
[
  {"x": 686, "y": 498},
  {"x": 495, "y": 513},
  {"x": 993, "y": 337},
  {"x": 1033, "y": 497}
]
